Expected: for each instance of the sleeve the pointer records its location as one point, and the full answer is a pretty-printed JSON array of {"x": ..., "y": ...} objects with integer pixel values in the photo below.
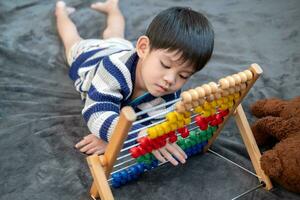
[{"x": 110, "y": 85}]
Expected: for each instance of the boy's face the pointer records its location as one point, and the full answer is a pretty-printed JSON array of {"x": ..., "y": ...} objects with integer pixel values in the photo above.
[{"x": 162, "y": 72}]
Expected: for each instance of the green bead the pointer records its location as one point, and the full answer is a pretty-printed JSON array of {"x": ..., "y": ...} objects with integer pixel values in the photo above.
[
  {"x": 193, "y": 136},
  {"x": 148, "y": 156},
  {"x": 214, "y": 128},
  {"x": 203, "y": 136},
  {"x": 140, "y": 159},
  {"x": 183, "y": 146},
  {"x": 180, "y": 141},
  {"x": 188, "y": 143}
]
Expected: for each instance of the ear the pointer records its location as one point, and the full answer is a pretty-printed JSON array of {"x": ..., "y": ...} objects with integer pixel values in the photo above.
[{"x": 143, "y": 46}]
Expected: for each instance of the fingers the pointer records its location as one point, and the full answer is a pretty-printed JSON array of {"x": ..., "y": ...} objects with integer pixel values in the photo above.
[
  {"x": 168, "y": 156},
  {"x": 82, "y": 143},
  {"x": 91, "y": 145},
  {"x": 158, "y": 156},
  {"x": 87, "y": 148},
  {"x": 169, "y": 152},
  {"x": 180, "y": 150},
  {"x": 177, "y": 152}
]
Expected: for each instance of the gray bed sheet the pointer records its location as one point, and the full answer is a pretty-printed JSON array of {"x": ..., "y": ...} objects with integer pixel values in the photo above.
[{"x": 40, "y": 111}]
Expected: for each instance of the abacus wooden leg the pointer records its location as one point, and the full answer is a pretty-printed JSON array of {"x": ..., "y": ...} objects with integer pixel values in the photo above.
[
  {"x": 99, "y": 176},
  {"x": 93, "y": 191},
  {"x": 251, "y": 145}
]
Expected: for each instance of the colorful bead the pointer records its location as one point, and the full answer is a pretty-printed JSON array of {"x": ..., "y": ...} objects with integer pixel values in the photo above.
[
  {"x": 134, "y": 151},
  {"x": 187, "y": 121},
  {"x": 171, "y": 117},
  {"x": 152, "y": 132},
  {"x": 198, "y": 109},
  {"x": 166, "y": 127}
]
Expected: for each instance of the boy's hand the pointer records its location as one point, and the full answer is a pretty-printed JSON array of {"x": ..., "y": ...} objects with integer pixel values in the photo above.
[
  {"x": 91, "y": 144},
  {"x": 165, "y": 153}
]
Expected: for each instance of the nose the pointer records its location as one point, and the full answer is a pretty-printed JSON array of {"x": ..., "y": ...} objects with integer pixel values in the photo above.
[{"x": 170, "y": 79}]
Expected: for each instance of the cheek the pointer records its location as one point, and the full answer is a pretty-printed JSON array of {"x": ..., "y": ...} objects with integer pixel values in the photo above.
[{"x": 179, "y": 84}]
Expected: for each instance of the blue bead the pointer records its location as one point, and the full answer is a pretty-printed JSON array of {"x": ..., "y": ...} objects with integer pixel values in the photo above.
[
  {"x": 148, "y": 167},
  {"x": 154, "y": 163},
  {"x": 188, "y": 152},
  {"x": 115, "y": 184},
  {"x": 140, "y": 168},
  {"x": 116, "y": 177},
  {"x": 132, "y": 173},
  {"x": 199, "y": 147},
  {"x": 194, "y": 150},
  {"x": 124, "y": 176}
]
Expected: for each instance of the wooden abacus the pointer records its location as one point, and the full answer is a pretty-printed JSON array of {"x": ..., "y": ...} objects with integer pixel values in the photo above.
[{"x": 212, "y": 104}]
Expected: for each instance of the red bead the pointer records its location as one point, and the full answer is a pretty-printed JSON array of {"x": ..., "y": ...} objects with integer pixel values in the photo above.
[
  {"x": 214, "y": 122},
  {"x": 185, "y": 134},
  {"x": 154, "y": 143},
  {"x": 173, "y": 138},
  {"x": 208, "y": 119},
  {"x": 164, "y": 136},
  {"x": 142, "y": 150},
  {"x": 134, "y": 152},
  {"x": 203, "y": 126},
  {"x": 161, "y": 141},
  {"x": 181, "y": 130},
  {"x": 223, "y": 113},
  {"x": 171, "y": 133},
  {"x": 144, "y": 141}
]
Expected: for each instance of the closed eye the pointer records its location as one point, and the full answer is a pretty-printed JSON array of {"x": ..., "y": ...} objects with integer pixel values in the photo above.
[
  {"x": 183, "y": 77},
  {"x": 165, "y": 66}
]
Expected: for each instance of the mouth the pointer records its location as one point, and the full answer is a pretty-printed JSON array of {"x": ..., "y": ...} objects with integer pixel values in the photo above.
[{"x": 162, "y": 89}]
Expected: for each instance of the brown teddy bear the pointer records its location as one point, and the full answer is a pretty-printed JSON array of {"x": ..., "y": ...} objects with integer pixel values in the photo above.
[{"x": 279, "y": 120}]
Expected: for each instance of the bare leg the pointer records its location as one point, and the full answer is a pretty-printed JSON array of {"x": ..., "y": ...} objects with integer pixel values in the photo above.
[
  {"x": 66, "y": 28},
  {"x": 115, "y": 20}
]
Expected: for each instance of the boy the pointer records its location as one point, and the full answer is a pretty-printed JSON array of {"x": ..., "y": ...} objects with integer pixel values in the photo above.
[{"x": 111, "y": 73}]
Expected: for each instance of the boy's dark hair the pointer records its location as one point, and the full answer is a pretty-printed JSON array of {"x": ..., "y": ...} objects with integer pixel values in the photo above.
[{"x": 180, "y": 28}]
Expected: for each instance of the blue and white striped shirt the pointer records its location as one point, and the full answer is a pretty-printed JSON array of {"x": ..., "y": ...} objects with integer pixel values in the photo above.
[{"x": 106, "y": 83}]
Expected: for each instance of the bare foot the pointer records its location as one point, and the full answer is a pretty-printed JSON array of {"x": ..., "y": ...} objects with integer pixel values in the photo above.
[
  {"x": 106, "y": 7},
  {"x": 62, "y": 9}
]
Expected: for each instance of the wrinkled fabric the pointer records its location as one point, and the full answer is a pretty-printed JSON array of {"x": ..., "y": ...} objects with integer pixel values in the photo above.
[{"x": 40, "y": 111}]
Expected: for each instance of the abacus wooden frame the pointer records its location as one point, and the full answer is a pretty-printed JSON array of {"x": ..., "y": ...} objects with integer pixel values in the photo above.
[{"x": 101, "y": 166}]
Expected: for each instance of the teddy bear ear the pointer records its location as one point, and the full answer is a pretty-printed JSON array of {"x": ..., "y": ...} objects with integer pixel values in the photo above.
[{"x": 271, "y": 164}]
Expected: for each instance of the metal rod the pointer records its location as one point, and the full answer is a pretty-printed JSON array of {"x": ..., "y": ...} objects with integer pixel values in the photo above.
[
  {"x": 144, "y": 127},
  {"x": 215, "y": 153},
  {"x": 151, "y": 117},
  {"x": 122, "y": 163},
  {"x": 262, "y": 184},
  {"x": 156, "y": 107}
]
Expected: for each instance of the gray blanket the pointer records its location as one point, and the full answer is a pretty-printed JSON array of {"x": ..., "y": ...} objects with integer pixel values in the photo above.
[{"x": 40, "y": 111}]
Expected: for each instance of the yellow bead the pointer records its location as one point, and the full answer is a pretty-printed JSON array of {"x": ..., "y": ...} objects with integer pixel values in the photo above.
[
  {"x": 179, "y": 116},
  {"x": 166, "y": 127},
  {"x": 187, "y": 114},
  {"x": 230, "y": 104},
  {"x": 171, "y": 117},
  {"x": 206, "y": 106},
  {"x": 213, "y": 104},
  {"x": 236, "y": 95},
  {"x": 206, "y": 113},
  {"x": 173, "y": 126},
  {"x": 187, "y": 121},
  {"x": 213, "y": 111},
  {"x": 152, "y": 133},
  {"x": 180, "y": 124},
  {"x": 198, "y": 109},
  {"x": 220, "y": 101},
  {"x": 225, "y": 100},
  {"x": 230, "y": 97},
  {"x": 160, "y": 130},
  {"x": 224, "y": 106}
]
